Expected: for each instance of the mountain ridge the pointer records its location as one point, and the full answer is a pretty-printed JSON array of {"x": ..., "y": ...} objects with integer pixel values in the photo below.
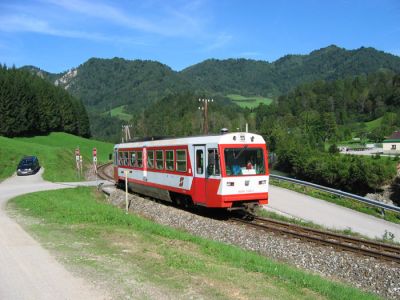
[{"x": 103, "y": 84}]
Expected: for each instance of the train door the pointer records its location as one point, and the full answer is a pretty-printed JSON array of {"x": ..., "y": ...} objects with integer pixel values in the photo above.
[
  {"x": 199, "y": 174},
  {"x": 213, "y": 175},
  {"x": 116, "y": 158}
]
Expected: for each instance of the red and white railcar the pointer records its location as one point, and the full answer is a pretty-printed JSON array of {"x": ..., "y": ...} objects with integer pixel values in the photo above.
[{"x": 222, "y": 171}]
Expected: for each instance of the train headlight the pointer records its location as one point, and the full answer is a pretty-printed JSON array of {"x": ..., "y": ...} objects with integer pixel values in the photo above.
[
  {"x": 262, "y": 182},
  {"x": 230, "y": 183}
]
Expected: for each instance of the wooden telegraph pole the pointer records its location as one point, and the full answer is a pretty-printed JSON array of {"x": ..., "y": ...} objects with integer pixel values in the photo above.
[{"x": 204, "y": 108}]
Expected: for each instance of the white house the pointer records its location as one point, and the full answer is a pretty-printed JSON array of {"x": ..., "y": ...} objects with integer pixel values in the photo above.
[{"x": 392, "y": 144}]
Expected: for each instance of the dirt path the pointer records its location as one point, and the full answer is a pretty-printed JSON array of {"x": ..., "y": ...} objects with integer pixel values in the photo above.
[{"x": 27, "y": 270}]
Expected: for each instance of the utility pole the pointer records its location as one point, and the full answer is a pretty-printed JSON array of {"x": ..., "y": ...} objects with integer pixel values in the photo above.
[
  {"x": 204, "y": 108},
  {"x": 126, "y": 133}
]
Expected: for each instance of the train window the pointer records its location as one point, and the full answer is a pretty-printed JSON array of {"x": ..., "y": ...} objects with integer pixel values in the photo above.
[
  {"x": 120, "y": 162},
  {"x": 115, "y": 157},
  {"x": 181, "y": 160},
  {"x": 199, "y": 161},
  {"x": 244, "y": 161},
  {"x": 150, "y": 159},
  {"x": 139, "y": 159},
  {"x": 123, "y": 158},
  {"x": 169, "y": 160},
  {"x": 213, "y": 168},
  {"x": 126, "y": 158},
  {"x": 159, "y": 159},
  {"x": 133, "y": 159}
]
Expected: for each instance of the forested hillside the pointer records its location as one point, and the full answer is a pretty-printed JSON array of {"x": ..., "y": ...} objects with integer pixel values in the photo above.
[
  {"x": 249, "y": 77},
  {"x": 30, "y": 105},
  {"x": 319, "y": 107},
  {"x": 298, "y": 125},
  {"x": 103, "y": 84},
  {"x": 136, "y": 86},
  {"x": 178, "y": 115},
  {"x": 52, "y": 77}
]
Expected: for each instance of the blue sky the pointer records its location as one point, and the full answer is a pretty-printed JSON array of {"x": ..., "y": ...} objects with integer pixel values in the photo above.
[{"x": 56, "y": 35}]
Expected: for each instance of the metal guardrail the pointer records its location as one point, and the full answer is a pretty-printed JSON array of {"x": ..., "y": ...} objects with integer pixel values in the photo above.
[{"x": 340, "y": 193}]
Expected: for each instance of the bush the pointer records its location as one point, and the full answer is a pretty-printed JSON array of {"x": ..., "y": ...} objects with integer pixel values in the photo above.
[
  {"x": 351, "y": 173},
  {"x": 333, "y": 149}
]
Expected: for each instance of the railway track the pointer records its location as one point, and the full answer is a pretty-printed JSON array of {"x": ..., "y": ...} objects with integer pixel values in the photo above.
[
  {"x": 341, "y": 242},
  {"x": 102, "y": 172}
]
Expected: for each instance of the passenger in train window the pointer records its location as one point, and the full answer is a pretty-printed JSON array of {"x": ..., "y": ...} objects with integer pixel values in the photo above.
[
  {"x": 236, "y": 170},
  {"x": 249, "y": 165}
]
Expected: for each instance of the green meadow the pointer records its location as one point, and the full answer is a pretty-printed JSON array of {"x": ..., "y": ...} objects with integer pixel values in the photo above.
[
  {"x": 371, "y": 125},
  {"x": 119, "y": 113},
  {"x": 56, "y": 153},
  {"x": 249, "y": 102}
]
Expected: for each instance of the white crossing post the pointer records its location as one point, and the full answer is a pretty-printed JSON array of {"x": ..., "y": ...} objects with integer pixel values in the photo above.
[{"x": 126, "y": 192}]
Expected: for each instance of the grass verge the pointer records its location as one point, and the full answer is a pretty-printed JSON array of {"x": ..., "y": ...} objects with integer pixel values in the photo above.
[{"x": 134, "y": 256}]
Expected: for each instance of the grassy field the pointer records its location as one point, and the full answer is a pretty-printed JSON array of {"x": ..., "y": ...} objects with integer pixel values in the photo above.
[
  {"x": 119, "y": 113},
  {"x": 55, "y": 153},
  {"x": 133, "y": 256},
  {"x": 371, "y": 125},
  {"x": 249, "y": 102}
]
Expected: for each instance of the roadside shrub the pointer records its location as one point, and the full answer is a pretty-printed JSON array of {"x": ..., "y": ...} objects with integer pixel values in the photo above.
[
  {"x": 351, "y": 173},
  {"x": 333, "y": 149}
]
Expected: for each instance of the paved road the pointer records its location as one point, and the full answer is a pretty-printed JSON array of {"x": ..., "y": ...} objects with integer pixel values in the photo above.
[
  {"x": 327, "y": 214},
  {"x": 28, "y": 271}
]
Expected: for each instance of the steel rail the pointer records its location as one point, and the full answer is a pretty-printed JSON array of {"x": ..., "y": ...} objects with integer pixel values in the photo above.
[
  {"x": 343, "y": 242},
  {"x": 375, "y": 203},
  {"x": 102, "y": 174}
]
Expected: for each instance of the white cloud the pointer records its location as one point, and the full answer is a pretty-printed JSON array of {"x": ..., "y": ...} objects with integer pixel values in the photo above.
[
  {"x": 17, "y": 23},
  {"x": 64, "y": 18},
  {"x": 174, "y": 23}
]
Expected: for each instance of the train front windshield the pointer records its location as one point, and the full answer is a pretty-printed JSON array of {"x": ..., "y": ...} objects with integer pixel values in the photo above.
[{"x": 244, "y": 161}]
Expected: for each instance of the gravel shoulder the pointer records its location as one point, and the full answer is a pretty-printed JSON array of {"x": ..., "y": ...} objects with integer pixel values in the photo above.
[{"x": 27, "y": 270}]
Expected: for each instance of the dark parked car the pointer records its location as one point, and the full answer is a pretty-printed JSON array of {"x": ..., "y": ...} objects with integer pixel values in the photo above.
[{"x": 28, "y": 165}]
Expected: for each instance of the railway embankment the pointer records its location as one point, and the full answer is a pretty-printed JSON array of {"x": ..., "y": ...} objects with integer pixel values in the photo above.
[{"x": 366, "y": 273}]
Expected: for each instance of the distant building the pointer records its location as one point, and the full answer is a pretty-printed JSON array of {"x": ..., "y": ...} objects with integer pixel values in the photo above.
[{"x": 392, "y": 144}]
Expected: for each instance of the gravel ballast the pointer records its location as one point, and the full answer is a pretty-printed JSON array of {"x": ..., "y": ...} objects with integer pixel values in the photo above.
[{"x": 366, "y": 273}]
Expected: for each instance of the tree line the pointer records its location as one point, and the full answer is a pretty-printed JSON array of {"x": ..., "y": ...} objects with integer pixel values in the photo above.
[
  {"x": 30, "y": 105},
  {"x": 179, "y": 115},
  {"x": 300, "y": 125}
]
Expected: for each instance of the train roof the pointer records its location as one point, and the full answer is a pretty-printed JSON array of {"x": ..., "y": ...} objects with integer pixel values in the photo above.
[{"x": 227, "y": 138}]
